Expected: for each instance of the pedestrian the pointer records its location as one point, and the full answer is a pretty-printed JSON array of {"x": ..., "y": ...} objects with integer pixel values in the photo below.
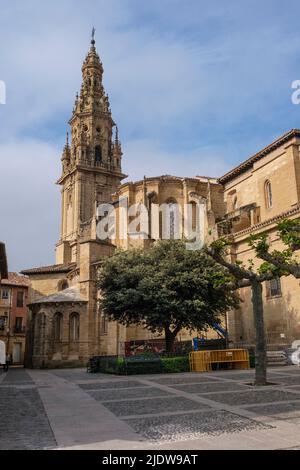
[{"x": 7, "y": 363}]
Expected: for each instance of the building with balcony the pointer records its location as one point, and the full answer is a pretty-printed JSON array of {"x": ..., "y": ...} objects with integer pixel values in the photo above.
[{"x": 13, "y": 315}]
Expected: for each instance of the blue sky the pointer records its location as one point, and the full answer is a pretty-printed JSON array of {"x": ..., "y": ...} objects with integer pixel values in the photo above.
[{"x": 196, "y": 87}]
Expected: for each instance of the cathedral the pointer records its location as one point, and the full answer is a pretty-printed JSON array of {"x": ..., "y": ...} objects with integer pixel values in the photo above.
[{"x": 66, "y": 325}]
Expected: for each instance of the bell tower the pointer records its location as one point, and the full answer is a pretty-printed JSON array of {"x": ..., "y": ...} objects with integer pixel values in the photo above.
[{"x": 91, "y": 162}]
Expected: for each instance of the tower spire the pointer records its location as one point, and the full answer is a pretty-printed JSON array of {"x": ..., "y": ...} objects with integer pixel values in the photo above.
[
  {"x": 90, "y": 153},
  {"x": 93, "y": 37}
]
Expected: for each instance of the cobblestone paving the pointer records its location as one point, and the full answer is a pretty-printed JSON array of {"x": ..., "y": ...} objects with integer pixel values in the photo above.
[
  {"x": 151, "y": 406},
  {"x": 247, "y": 376},
  {"x": 289, "y": 380},
  {"x": 140, "y": 392},
  {"x": 160, "y": 409},
  {"x": 210, "y": 387},
  {"x": 295, "y": 370},
  {"x": 253, "y": 396},
  {"x": 16, "y": 377},
  {"x": 24, "y": 423},
  {"x": 77, "y": 375},
  {"x": 278, "y": 410},
  {"x": 192, "y": 426},
  {"x": 111, "y": 385},
  {"x": 186, "y": 379}
]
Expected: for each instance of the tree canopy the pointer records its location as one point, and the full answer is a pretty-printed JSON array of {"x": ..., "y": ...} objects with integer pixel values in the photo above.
[
  {"x": 284, "y": 262},
  {"x": 165, "y": 289}
]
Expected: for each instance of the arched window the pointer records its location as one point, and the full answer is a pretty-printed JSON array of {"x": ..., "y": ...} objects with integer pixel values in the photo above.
[
  {"x": 169, "y": 220},
  {"x": 62, "y": 284},
  {"x": 172, "y": 223},
  {"x": 194, "y": 215},
  {"x": 98, "y": 154},
  {"x": 58, "y": 326},
  {"x": 41, "y": 324},
  {"x": 268, "y": 194},
  {"x": 104, "y": 325},
  {"x": 74, "y": 327},
  {"x": 39, "y": 333}
]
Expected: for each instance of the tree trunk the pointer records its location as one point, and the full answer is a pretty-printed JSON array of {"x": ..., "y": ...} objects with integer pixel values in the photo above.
[
  {"x": 169, "y": 338},
  {"x": 260, "y": 349}
]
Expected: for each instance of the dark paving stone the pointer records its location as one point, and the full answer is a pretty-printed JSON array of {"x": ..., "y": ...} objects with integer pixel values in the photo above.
[
  {"x": 295, "y": 370},
  {"x": 288, "y": 380},
  {"x": 240, "y": 376},
  {"x": 197, "y": 378},
  {"x": 279, "y": 410},
  {"x": 16, "y": 377},
  {"x": 192, "y": 426},
  {"x": 246, "y": 377},
  {"x": 253, "y": 396},
  {"x": 24, "y": 423},
  {"x": 293, "y": 387},
  {"x": 80, "y": 374},
  {"x": 154, "y": 405},
  {"x": 140, "y": 392},
  {"x": 210, "y": 387},
  {"x": 112, "y": 385}
]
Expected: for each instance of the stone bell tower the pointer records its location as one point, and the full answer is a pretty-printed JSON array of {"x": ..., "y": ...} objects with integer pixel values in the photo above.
[{"x": 91, "y": 162}]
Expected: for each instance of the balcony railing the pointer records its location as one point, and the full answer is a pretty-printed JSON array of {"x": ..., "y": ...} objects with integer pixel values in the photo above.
[
  {"x": 19, "y": 330},
  {"x": 239, "y": 219}
]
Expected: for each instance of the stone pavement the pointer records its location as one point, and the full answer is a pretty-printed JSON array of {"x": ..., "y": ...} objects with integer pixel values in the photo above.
[{"x": 48, "y": 409}]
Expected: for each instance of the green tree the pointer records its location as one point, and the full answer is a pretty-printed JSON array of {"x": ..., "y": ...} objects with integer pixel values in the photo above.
[
  {"x": 247, "y": 276},
  {"x": 284, "y": 261},
  {"x": 165, "y": 289}
]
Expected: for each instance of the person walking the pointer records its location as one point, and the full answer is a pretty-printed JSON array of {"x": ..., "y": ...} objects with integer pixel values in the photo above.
[{"x": 7, "y": 363}]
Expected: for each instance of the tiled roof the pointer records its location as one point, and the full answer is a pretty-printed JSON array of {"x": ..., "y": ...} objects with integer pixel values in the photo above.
[
  {"x": 244, "y": 166},
  {"x": 14, "y": 279},
  {"x": 67, "y": 295},
  {"x": 54, "y": 268}
]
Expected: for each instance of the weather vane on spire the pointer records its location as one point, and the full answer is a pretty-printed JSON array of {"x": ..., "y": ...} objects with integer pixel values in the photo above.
[{"x": 93, "y": 35}]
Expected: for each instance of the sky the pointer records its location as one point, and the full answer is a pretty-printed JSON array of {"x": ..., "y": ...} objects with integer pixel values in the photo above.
[{"x": 195, "y": 87}]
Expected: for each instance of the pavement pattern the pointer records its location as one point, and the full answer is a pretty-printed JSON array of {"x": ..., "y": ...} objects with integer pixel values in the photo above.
[{"x": 71, "y": 409}]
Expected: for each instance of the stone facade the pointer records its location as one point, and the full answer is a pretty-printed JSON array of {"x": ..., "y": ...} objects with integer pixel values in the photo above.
[
  {"x": 258, "y": 194},
  {"x": 66, "y": 324}
]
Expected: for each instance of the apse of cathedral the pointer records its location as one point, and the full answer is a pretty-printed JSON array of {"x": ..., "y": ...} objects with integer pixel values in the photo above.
[{"x": 66, "y": 323}]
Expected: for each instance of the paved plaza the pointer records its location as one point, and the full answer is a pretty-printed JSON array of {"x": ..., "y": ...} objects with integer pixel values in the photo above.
[{"x": 71, "y": 409}]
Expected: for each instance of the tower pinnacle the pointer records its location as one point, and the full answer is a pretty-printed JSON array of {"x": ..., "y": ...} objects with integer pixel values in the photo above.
[
  {"x": 91, "y": 159},
  {"x": 93, "y": 36}
]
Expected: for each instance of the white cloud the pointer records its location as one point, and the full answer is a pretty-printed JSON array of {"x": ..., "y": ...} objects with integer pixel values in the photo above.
[
  {"x": 194, "y": 86},
  {"x": 148, "y": 158},
  {"x": 30, "y": 202}
]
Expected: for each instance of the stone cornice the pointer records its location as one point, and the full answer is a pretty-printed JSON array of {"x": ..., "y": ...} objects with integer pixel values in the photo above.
[{"x": 246, "y": 165}]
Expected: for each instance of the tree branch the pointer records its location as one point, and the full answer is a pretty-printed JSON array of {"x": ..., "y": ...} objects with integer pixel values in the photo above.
[
  {"x": 236, "y": 270},
  {"x": 291, "y": 268}
]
